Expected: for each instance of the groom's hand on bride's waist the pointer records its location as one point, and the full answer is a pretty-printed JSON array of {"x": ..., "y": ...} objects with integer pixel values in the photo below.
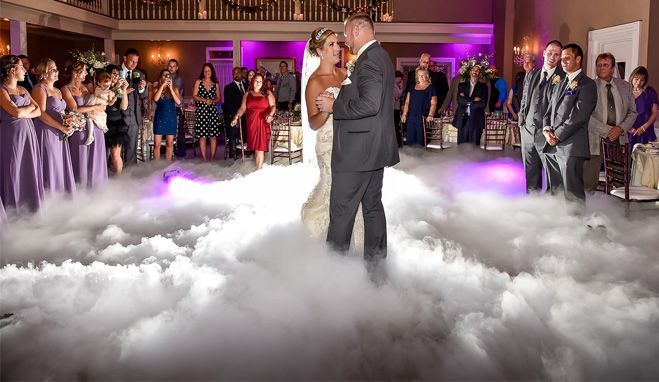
[{"x": 325, "y": 103}]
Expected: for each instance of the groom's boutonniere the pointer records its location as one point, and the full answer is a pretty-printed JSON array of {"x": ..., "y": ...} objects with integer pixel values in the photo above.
[
  {"x": 571, "y": 87},
  {"x": 136, "y": 74},
  {"x": 555, "y": 79},
  {"x": 350, "y": 67}
]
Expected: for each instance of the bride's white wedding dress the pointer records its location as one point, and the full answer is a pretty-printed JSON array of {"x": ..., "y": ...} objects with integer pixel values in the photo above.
[{"x": 315, "y": 211}]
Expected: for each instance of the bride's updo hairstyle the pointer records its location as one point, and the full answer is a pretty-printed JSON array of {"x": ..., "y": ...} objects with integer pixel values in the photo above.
[{"x": 318, "y": 38}]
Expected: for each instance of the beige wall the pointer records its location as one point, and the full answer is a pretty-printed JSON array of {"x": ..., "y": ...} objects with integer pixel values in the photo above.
[{"x": 570, "y": 20}]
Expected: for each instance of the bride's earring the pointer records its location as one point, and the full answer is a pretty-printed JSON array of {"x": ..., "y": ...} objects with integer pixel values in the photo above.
[{"x": 321, "y": 56}]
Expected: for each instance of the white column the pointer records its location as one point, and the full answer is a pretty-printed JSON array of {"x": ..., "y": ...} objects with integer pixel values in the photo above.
[
  {"x": 18, "y": 37},
  {"x": 237, "y": 57}
]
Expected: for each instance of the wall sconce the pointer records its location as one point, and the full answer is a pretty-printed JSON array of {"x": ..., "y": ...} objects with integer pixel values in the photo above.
[
  {"x": 202, "y": 14},
  {"x": 297, "y": 13},
  {"x": 387, "y": 18},
  {"x": 5, "y": 49},
  {"x": 520, "y": 51},
  {"x": 160, "y": 58}
]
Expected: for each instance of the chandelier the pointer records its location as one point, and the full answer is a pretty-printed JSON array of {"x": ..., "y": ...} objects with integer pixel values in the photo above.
[
  {"x": 519, "y": 52},
  {"x": 157, "y": 2}
]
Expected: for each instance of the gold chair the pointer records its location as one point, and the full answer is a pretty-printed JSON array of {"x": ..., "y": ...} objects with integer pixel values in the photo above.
[
  {"x": 495, "y": 132},
  {"x": 281, "y": 140}
]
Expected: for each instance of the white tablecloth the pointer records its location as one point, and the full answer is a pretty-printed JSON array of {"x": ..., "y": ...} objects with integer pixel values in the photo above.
[{"x": 645, "y": 167}]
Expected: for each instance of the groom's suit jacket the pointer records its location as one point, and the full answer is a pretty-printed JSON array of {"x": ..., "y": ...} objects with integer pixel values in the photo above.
[
  {"x": 364, "y": 133},
  {"x": 568, "y": 116},
  {"x": 534, "y": 105}
]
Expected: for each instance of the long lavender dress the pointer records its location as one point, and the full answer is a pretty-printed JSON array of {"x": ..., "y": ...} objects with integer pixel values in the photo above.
[
  {"x": 21, "y": 176},
  {"x": 644, "y": 104},
  {"x": 57, "y": 167},
  {"x": 89, "y": 162}
]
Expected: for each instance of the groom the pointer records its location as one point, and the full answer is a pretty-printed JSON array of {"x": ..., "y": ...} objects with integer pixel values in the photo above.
[{"x": 364, "y": 141}]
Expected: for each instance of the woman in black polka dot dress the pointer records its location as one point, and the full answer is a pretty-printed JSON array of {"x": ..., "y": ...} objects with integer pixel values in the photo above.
[{"x": 206, "y": 124}]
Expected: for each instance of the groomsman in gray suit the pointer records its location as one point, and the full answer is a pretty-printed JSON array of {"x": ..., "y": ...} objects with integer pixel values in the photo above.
[
  {"x": 136, "y": 93},
  {"x": 566, "y": 126},
  {"x": 538, "y": 87},
  {"x": 614, "y": 114}
]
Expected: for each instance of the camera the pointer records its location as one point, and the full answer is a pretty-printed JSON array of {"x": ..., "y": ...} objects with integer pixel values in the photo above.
[{"x": 168, "y": 75}]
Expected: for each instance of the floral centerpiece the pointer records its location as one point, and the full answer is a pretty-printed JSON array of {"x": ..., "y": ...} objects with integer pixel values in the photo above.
[
  {"x": 481, "y": 60},
  {"x": 92, "y": 59}
]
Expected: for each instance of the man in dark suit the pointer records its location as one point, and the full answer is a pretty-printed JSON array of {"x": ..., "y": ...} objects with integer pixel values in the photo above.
[
  {"x": 538, "y": 87},
  {"x": 136, "y": 94},
  {"x": 437, "y": 79},
  {"x": 30, "y": 79},
  {"x": 364, "y": 142},
  {"x": 470, "y": 116},
  {"x": 566, "y": 126},
  {"x": 233, "y": 98}
]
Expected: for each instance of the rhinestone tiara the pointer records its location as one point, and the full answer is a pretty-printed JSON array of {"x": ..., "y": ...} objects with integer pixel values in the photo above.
[{"x": 320, "y": 33}]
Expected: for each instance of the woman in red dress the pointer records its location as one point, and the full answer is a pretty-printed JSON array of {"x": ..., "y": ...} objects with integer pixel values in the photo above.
[{"x": 259, "y": 103}]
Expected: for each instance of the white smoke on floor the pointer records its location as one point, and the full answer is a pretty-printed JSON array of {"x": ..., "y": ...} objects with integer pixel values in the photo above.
[{"x": 218, "y": 279}]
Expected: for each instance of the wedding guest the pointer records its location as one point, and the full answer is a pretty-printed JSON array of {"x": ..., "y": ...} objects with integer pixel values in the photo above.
[
  {"x": 51, "y": 132},
  {"x": 233, "y": 98},
  {"x": 469, "y": 119},
  {"x": 516, "y": 92},
  {"x": 30, "y": 80},
  {"x": 259, "y": 106},
  {"x": 117, "y": 135},
  {"x": 21, "y": 176},
  {"x": 89, "y": 161},
  {"x": 166, "y": 97},
  {"x": 177, "y": 80},
  {"x": 498, "y": 93},
  {"x": 245, "y": 72},
  {"x": 438, "y": 79},
  {"x": 420, "y": 104},
  {"x": 398, "y": 92},
  {"x": 136, "y": 95},
  {"x": 566, "y": 126},
  {"x": 285, "y": 90},
  {"x": 206, "y": 93},
  {"x": 614, "y": 114},
  {"x": 646, "y": 105}
]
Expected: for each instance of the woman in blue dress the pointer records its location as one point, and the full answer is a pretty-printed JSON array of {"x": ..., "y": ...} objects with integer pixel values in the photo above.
[
  {"x": 166, "y": 96},
  {"x": 420, "y": 104}
]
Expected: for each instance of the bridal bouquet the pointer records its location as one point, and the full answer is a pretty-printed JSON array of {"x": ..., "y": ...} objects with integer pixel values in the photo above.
[
  {"x": 92, "y": 59},
  {"x": 483, "y": 61},
  {"x": 74, "y": 120}
]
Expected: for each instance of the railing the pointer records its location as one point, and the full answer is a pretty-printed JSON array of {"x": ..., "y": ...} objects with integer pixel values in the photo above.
[
  {"x": 97, "y": 6},
  {"x": 247, "y": 10}
]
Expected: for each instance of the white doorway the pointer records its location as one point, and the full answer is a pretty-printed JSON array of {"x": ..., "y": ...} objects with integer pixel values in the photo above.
[{"x": 623, "y": 41}]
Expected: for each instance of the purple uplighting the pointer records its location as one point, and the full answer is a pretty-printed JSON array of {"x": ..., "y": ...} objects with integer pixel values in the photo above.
[
  {"x": 251, "y": 50},
  {"x": 504, "y": 176}
]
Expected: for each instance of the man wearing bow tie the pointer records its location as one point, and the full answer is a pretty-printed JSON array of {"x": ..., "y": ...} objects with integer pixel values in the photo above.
[
  {"x": 566, "y": 126},
  {"x": 136, "y": 94},
  {"x": 538, "y": 87},
  {"x": 233, "y": 97}
]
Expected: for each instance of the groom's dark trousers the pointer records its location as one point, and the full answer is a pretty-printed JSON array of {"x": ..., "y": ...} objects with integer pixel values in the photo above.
[{"x": 364, "y": 143}]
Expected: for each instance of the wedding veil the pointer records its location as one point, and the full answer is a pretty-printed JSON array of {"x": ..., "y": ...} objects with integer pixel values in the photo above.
[{"x": 309, "y": 65}]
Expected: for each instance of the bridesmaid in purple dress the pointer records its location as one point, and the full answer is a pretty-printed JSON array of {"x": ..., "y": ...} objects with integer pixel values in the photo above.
[
  {"x": 21, "y": 177},
  {"x": 55, "y": 154},
  {"x": 646, "y": 106},
  {"x": 89, "y": 162}
]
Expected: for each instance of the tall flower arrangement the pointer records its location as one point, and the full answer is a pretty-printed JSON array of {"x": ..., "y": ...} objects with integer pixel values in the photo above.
[
  {"x": 92, "y": 59},
  {"x": 482, "y": 60}
]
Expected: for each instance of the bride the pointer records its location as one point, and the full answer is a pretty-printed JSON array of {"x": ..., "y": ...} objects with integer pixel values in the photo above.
[{"x": 320, "y": 75}]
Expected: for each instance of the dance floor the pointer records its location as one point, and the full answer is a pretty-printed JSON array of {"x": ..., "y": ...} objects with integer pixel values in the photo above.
[{"x": 212, "y": 276}]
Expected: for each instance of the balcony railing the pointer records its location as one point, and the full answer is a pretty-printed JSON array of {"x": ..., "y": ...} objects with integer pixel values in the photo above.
[{"x": 235, "y": 10}]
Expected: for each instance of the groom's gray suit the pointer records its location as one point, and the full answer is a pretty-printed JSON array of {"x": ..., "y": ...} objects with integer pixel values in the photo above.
[
  {"x": 567, "y": 116},
  {"x": 364, "y": 143}
]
